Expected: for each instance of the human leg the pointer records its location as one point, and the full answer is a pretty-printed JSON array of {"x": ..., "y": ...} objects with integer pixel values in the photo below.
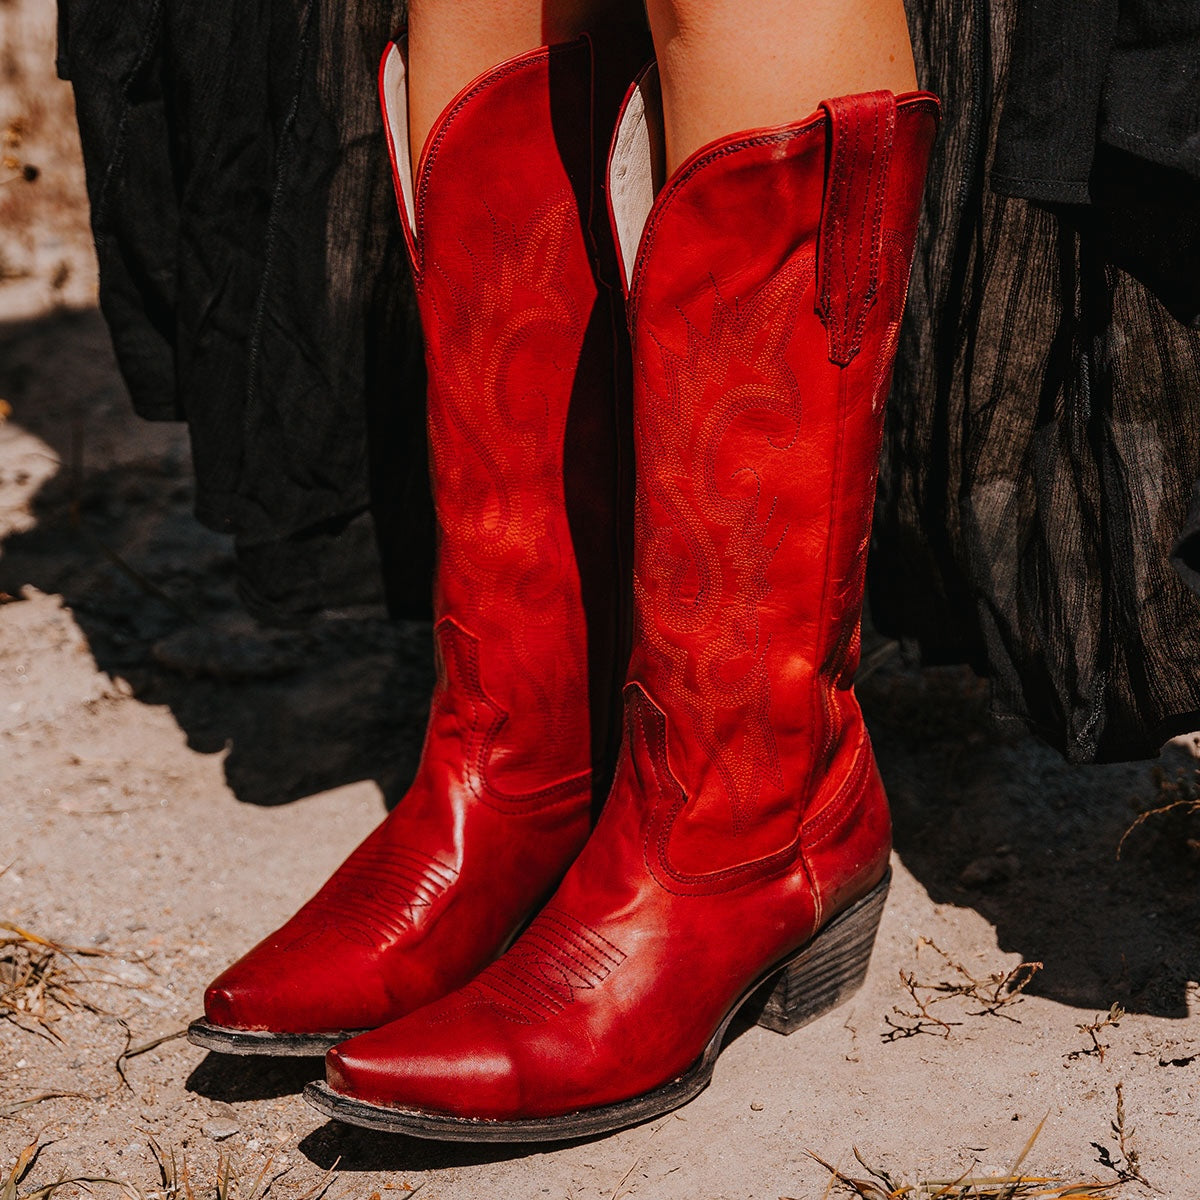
[
  {"x": 452, "y": 42},
  {"x": 726, "y": 65}
]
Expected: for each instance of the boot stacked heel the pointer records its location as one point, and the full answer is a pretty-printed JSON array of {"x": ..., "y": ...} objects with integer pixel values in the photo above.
[{"x": 830, "y": 969}]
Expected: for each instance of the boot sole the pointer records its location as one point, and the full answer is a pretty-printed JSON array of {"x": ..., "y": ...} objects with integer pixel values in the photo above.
[
  {"x": 824, "y": 973},
  {"x": 225, "y": 1039}
]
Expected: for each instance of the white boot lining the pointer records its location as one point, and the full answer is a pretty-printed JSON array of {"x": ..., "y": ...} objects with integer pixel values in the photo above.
[
  {"x": 395, "y": 92},
  {"x": 635, "y": 167}
]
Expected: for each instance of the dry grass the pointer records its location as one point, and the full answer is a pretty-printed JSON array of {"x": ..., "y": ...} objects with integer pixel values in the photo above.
[
  {"x": 1126, "y": 1164},
  {"x": 1176, "y": 809},
  {"x": 228, "y": 1183},
  {"x": 1093, "y": 1029},
  {"x": 19, "y": 1106},
  {"x": 41, "y": 980},
  {"x": 175, "y": 1180},
  {"x": 1014, "y": 1184},
  {"x": 132, "y": 1051},
  {"x": 991, "y": 996}
]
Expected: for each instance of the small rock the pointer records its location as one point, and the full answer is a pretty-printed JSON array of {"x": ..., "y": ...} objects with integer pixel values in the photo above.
[
  {"x": 756, "y": 1106},
  {"x": 990, "y": 869},
  {"x": 219, "y": 1128},
  {"x": 1186, "y": 744}
]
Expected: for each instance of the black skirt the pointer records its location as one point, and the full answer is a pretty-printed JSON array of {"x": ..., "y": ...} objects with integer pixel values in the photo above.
[
  {"x": 1044, "y": 437},
  {"x": 252, "y": 272}
]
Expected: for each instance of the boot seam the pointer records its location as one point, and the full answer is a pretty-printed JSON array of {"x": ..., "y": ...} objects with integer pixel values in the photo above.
[
  {"x": 834, "y": 814},
  {"x": 661, "y": 824}
]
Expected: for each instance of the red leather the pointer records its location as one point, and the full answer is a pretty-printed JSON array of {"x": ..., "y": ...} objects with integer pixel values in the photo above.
[
  {"x": 525, "y": 362},
  {"x": 747, "y": 809}
]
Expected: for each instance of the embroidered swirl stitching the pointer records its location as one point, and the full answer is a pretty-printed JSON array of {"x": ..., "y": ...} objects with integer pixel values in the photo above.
[
  {"x": 506, "y": 572},
  {"x": 706, "y": 533}
]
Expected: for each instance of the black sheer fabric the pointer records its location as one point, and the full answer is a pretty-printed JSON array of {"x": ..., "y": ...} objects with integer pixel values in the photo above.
[
  {"x": 253, "y": 276},
  {"x": 1043, "y": 438},
  {"x": 1102, "y": 108}
]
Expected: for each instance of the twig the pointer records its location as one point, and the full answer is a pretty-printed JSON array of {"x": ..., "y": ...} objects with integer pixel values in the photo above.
[
  {"x": 20, "y": 1106},
  {"x": 1182, "y": 793},
  {"x": 133, "y": 1051},
  {"x": 993, "y": 994},
  {"x": 1127, "y": 1165},
  {"x": 1010, "y": 1186},
  {"x": 324, "y": 1185},
  {"x": 1098, "y": 1048}
]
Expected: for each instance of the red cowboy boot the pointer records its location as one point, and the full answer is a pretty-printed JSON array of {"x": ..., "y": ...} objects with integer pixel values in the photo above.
[
  {"x": 506, "y": 228},
  {"x": 745, "y": 842}
]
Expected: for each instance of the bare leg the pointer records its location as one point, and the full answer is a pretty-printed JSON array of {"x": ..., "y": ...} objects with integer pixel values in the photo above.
[
  {"x": 727, "y": 65},
  {"x": 451, "y": 42}
]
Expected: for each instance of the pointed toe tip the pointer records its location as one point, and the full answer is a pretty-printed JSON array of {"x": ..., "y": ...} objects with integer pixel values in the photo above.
[
  {"x": 236, "y": 999},
  {"x": 355, "y": 1067},
  {"x": 266, "y": 992},
  {"x": 420, "y": 1066},
  {"x": 224, "y": 1005},
  {"x": 336, "y": 1074},
  {"x": 371, "y": 1067}
]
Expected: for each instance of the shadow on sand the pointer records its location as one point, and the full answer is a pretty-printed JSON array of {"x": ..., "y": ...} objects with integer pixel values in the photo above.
[
  {"x": 988, "y": 818},
  {"x": 154, "y": 592}
]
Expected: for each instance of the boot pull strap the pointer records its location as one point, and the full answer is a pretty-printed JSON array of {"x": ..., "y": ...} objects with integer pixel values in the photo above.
[{"x": 850, "y": 244}]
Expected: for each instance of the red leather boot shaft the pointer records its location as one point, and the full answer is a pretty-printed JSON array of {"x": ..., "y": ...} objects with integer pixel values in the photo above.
[
  {"x": 764, "y": 310},
  {"x": 526, "y": 363},
  {"x": 520, "y": 400},
  {"x": 746, "y": 812}
]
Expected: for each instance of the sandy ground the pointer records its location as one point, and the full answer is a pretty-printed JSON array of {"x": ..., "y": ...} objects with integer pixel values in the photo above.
[{"x": 173, "y": 782}]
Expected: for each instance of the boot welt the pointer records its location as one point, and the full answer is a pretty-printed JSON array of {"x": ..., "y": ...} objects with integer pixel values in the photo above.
[
  {"x": 827, "y": 970},
  {"x": 225, "y": 1039}
]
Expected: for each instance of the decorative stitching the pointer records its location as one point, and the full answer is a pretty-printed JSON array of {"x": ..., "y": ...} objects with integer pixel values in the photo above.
[
  {"x": 378, "y": 895},
  {"x": 822, "y": 825},
  {"x": 534, "y": 58},
  {"x": 850, "y": 242},
  {"x": 705, "y": 539},
  {"x": 458, "y": 679},
  {"x": 680, "y": 180},
  {"x": 505, "y": 552},
  {"x": 552, "y": 963},
  {"x": 810, "y": 127},
  {"x": 684, "y": 580},
  {"x": 647, "y": 725}
]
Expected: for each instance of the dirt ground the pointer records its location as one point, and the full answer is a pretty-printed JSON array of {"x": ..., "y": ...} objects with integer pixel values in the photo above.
[{"x": 173, "y": 782}]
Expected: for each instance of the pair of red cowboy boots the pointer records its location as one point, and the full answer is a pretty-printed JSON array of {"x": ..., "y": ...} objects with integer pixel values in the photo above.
[{"x": 743, "y": 845}]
